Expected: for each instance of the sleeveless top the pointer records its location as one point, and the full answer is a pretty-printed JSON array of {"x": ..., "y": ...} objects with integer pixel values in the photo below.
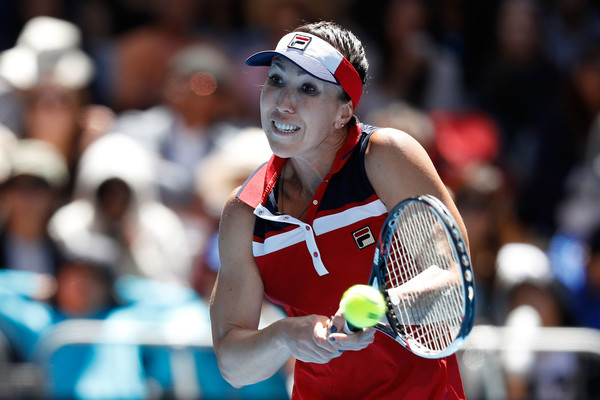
[{"x": 306, "y": 266}]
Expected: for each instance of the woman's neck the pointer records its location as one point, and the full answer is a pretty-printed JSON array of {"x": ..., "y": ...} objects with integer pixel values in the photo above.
[
  {"x": 301, "y": 176},
  {"x": 310, "y": 169},
  {"x": 298, "y": 184}
]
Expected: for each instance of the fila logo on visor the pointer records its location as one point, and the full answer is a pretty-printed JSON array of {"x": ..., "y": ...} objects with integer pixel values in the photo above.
[
  {"x": 299, "y": 42},
  {"x": 363, "y": 237}
]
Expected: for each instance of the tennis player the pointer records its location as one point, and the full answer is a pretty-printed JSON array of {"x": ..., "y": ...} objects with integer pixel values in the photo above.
[{"x": 304, "y": 226}]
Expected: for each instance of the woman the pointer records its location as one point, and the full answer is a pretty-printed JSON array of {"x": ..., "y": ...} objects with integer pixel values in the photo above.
[{"x": 292, "y": 231}]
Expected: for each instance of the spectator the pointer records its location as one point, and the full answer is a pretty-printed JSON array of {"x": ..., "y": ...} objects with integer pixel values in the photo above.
[
  {"x": 569, "y": 27},
  {"x": 576, "y": 260},
  {"x": 534, "y": 299},
  {"x": 48, "y": 76},
  {"x": 31, "y": 194},
  {"x": 527, "y": 297},
  {"x": 189, "y": 120},
  {"x": 222, "y": 171},
  {"x": 115, "y": 197},
  {"x": 520, "y": 90},
  {"x": 578, "y": 217},
  {"x": 137, "y": 59},
  {"x": 185, "y": 127},
  {"x": 578, "y": 213},
  {"x": 84, "y": 289},
  {"x": 581, "y": 99},
  {"x": 86, "y": 277},
  {"x": 42, "y": 45},
  {"x": 414, "y": 68},
  {"x": 588, "y": 311}
]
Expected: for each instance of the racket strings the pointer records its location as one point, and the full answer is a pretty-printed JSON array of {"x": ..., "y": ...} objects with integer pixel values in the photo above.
[
  {"x": 420, "y": 309},
  {"x": 421, "y": 264}
]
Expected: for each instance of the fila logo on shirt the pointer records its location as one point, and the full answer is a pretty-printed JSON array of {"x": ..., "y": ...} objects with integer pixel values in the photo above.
[
  {"x": 299, "y": 42},
  {"x": 363, "y": 237}
]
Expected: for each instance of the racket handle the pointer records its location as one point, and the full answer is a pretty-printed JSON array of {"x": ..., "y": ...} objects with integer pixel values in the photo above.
[{"x": 349, "y": 329}]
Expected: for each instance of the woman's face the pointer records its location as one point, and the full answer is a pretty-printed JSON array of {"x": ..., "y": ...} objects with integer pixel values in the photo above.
[{"x": 299, "y": 112}]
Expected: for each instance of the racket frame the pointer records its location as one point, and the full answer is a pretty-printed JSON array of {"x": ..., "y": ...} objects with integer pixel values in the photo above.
[{"x": 378, "y": 279}]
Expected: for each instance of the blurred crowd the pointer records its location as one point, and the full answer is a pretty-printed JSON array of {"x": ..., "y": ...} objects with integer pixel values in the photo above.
[{"x": 124, "y": 124}]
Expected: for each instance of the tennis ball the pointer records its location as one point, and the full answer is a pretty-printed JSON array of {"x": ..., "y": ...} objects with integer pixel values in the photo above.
[{"x": 362, "y": 305}]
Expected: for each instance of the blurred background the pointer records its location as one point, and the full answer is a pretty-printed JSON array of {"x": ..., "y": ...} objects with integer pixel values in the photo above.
[{"x": 124, "y": 124}]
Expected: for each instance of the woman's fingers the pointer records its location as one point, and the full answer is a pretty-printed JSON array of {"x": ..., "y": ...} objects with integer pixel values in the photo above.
[
  {"x": 343, "y": 341},
  {"x": 312, "y": 343}
]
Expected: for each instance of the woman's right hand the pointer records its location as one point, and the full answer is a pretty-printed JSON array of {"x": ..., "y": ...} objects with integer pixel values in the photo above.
[
  {"x": 307, "y": 339},
  {"x": 317, "y": 339}
]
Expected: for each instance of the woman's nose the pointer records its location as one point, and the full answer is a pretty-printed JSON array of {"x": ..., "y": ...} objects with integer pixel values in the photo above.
[{"x": 286, "y": 102}]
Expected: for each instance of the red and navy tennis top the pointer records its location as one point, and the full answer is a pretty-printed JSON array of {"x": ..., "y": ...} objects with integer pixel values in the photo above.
[{"x": 306, "y": 266}]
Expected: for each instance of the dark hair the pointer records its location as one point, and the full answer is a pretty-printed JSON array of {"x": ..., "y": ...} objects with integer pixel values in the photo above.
[{"x": 344, "y": 41}]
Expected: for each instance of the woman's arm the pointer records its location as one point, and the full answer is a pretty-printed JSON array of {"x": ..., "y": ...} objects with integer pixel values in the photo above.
[{"x": 247, "y": 355}]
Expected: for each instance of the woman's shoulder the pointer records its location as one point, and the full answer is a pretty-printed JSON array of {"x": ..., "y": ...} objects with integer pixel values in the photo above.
[
  {"x": 398, "y": 166},
  {"x": 237, "y": 209},
  {"x": 392, "y": 141}
]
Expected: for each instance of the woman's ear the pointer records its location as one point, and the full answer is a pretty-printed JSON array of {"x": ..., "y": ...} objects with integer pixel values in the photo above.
[{"x": 347, "y": 110}]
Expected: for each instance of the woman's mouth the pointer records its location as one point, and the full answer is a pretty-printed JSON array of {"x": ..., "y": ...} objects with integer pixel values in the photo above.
[{"x": 285, "y": 128}]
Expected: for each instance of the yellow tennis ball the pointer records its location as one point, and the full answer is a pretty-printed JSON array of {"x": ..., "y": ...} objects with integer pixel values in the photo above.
[{"x": 362, "y": 305}]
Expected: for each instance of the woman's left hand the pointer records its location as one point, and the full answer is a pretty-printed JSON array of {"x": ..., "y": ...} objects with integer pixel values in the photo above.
[{"x": 343, "y": 341}]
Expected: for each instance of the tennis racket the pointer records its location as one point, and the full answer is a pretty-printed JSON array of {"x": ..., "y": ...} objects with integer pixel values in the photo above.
[{"x": 422, "y": 268}]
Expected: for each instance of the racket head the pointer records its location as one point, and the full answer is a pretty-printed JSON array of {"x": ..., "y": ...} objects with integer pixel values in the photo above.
[{"x": 423, "y": 269}]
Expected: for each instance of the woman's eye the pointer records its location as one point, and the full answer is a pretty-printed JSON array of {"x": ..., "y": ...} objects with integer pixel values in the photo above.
[
  {"x": 275, "y": 80},
  {"x": 309, "y": 89}
]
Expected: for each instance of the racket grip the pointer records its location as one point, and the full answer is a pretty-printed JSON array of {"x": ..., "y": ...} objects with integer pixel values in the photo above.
[{"x": 349, "y": 329}]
